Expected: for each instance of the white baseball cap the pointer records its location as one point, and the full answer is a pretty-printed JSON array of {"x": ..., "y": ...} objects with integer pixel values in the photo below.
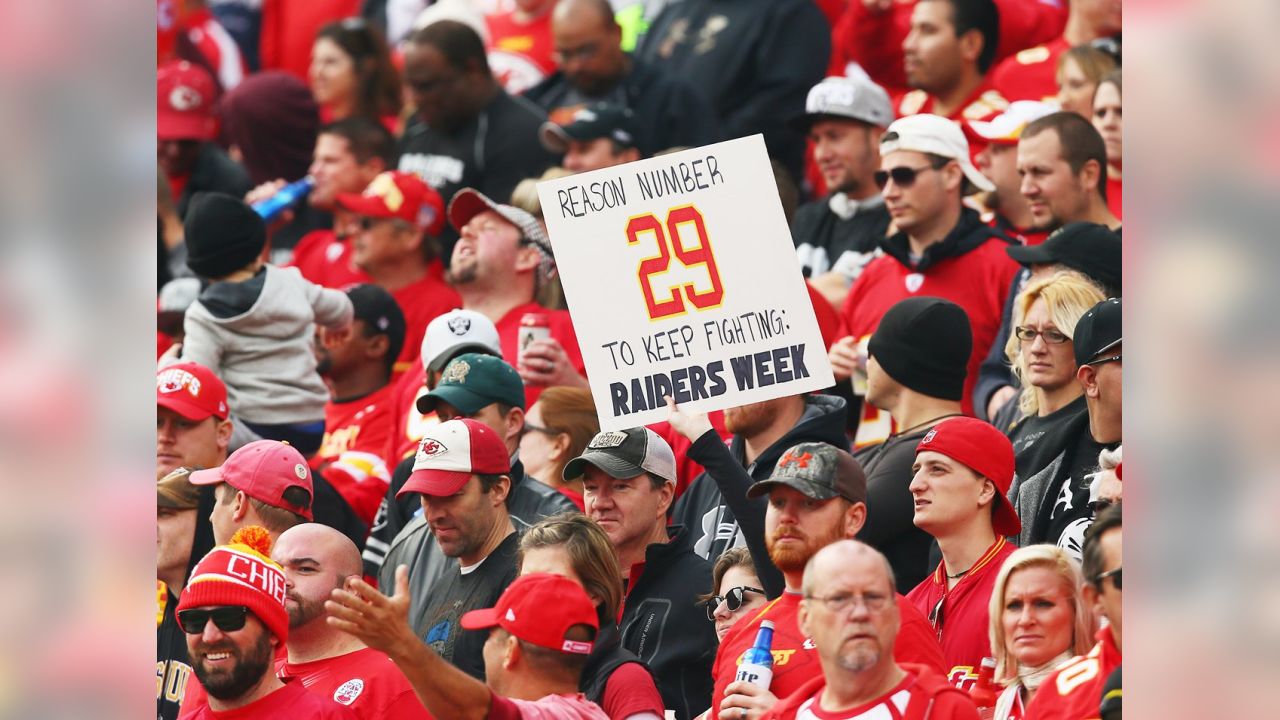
[
  {"x": 1006, "y": 127},
  {"x": 455, "y": 332},
  {"x": 935, "y": 135},
  {"x": 855, "y": 98}
]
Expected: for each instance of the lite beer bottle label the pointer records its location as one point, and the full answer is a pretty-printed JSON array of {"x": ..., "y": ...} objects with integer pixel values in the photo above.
[{"x": 757, "y": 661}]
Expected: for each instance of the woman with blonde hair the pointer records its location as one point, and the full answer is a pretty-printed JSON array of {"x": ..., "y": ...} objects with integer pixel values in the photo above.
[
  {"x": 1039, "y": 621},
  {"x": 1080, "y": 69},
  {"x": 573, "y": 546},
  {"x": 1042, "y": 355}
]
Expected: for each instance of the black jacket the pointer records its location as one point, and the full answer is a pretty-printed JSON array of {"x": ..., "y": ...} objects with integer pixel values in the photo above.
[
  {"x": 715, "y": 508},
  {"x": 823, "y": 239},
  {"x": 754, "y": 60},
  {"x": 669, "y": 112},
  {"x": 968, "y": 234},
  {"x": 663, "y": 624},
  {"x": 607, "y": 655}
]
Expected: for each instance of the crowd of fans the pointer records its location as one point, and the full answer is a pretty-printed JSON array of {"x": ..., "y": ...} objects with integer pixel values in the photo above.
[{"x": 382, "y": 488}]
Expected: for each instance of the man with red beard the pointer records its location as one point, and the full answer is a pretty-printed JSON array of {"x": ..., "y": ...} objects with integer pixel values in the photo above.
[
  {"x": 816, "y": 496},
  {"x": 233, "y": 612},
  {"x": 328, "y": 662}
]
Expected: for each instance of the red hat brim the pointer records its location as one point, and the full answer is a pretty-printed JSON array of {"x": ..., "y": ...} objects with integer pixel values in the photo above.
[
  {"x": 185, "y": 408},
  {"x": 481, "y": 619},
  {"x": 437, "y": 483},
  {"x": 363, "y": 205},
  {"x": 185, "y": 126}
]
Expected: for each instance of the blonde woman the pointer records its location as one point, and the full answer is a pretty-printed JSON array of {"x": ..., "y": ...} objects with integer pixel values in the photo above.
[
  {"x": 1043, "y": 357},
  {"x": 1039, "y": 621}
]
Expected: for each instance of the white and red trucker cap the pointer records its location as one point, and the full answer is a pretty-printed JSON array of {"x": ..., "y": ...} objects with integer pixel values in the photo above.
[{"x": 451, "y": 452}]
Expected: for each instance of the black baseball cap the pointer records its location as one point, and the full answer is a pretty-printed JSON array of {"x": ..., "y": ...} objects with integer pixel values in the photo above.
[
  {"x": 381, "y": 313},
  {"x": 1090, "y": 248},
  {"x": 818, "y": 470},
  {"x": 625, "y": 454},
  {"x": 601, "y": 120},
  {"x": 1097, "y": 331}
]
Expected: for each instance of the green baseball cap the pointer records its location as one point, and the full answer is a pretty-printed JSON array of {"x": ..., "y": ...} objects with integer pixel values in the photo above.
[{"x": 473, "y": 380}]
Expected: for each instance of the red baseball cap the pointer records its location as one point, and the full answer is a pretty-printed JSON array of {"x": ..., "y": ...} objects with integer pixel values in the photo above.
[
  {"x": 184, "y": 99},
  {"x": 395, "y": 194},
  {"x": 982, "y": 448},
  {"x": 192, "y": 391},
  {"x": 263, "y": 470},
  {"x": 540, "y": 608},
  {"x": 451, "y": 452}
]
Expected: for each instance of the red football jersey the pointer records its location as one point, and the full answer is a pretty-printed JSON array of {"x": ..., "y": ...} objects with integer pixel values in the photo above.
[
  {"x": 1115, "y": 193},
  {"x": 521, "y": 55},
  {"x": 325, "y": 260},
  {"x": 795, "y": 657},
  {"x": 984, "y": 102},
  {"x": 963, "y": 613},
  {"x": 292, "y": 701},
  {"x": 1074, "y": 691},
  {"x": 217, "y": 46},
  {"x": 364, "y": 680},
  {"x": 421, "y": 303},
  {"x": 561, "y": 329},
  {"x": 977, "y": 281},
  {"x": 1031, "y": 74},
  {"x": 289, "y": 30},
  {"x": 408, "y": 423},
  {"x": 352, "y": 453}
]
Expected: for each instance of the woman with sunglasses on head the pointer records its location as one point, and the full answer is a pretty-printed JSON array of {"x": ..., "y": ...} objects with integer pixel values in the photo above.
[
  {"x": 1039, "y": 621},
  {"x": 1042, "y": 355},
  {"x": 557, "y": 429},
  {"x": 572, "y": 545},
  {"x": 738, "y": 590},
  {"x": 351, "y": 74}
]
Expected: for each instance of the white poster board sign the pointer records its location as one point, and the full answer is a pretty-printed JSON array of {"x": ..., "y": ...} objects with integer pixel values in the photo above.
[{"x": 682, "y": 280}]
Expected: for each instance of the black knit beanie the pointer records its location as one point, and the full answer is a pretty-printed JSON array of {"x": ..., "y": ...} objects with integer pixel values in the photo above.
[
  {"x": 222, "y": 234},
  {"x": 924, "y": 343}
]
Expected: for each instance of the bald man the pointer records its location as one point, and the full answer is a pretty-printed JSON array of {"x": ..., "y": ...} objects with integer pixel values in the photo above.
[
  {"x": 316, "y": 559},
  {"x": 850, "y": 612}
]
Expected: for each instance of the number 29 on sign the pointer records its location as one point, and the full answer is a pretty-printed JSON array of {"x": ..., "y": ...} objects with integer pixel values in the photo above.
[{"x": 668, "y": 239}]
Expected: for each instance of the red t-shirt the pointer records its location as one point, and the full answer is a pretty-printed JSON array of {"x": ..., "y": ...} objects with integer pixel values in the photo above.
[
  {"x": 422, "y": 302},
  {"x": 364, "y": 680},
  {"x": 1031, "y": 74},
  {"x": 1074, "y": 691},
  {"x": 561, "y": 329},
  {"x": 520, "y": 54},
  {"x": 977, "y": 281},
  {"x": 1115, "y": 192},
  {"x": 289, "y": 30},
  {"x": 325, "y": 260},
  {"x": 964, "y": 636},
  {"x": 290, "y": 701},
  {"x": 351, "y": 456},
  {"x": 892, "y": 705},
  {"x": 630, "y": 690},
  {"x": 874, "y": 40},
  {"x": 795, "y": 657}
]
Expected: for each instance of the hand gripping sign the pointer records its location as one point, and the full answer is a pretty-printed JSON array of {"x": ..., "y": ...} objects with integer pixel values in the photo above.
[{"x": 682, "y": 280}]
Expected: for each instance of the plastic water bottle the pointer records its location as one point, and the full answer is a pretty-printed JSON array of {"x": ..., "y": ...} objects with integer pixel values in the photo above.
[
  {"x": 285, "y": 198},
  {"x": 757, "y": 661}
]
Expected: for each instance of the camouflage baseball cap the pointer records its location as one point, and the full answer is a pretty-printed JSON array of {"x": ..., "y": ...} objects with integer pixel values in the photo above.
[{"x": 818, "y": 470}]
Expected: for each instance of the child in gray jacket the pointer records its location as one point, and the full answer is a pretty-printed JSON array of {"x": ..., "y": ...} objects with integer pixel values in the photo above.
[{"x": 254, "y": 324}]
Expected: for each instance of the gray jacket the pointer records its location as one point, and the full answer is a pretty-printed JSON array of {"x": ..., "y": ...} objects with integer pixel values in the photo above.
[{"x": 261, "y": 345}]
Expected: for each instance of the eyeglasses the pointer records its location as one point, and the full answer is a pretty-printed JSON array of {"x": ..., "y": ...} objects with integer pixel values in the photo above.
[
  {"x": 227, "y": 619},
  {"x": 874, "y": 602},
  {"x": 1105, "y": 360},
  {"x": 1051, "y": 336},
  {"x": 538, "y": 428},
  {"x": 903, "y": 177},
  {"x": 733, "y": 599},
  {"x": 1114, "y": 575}
]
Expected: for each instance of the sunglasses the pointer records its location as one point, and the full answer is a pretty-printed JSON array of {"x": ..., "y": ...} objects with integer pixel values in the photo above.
[
  {"x": 1114, "y": 575},
  {"x": 733, "y": 599},
  {"x": 935, "y": 617},
  {"x": 228, "y": 618},
  {"x": 1051, "y": 336},
  {"x": 903, "y": 177},
  {"x": 1103, "y": 361}
]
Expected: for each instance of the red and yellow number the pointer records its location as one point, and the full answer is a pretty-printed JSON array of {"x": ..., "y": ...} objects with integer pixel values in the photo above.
[{"x": 670, "y": 242}]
